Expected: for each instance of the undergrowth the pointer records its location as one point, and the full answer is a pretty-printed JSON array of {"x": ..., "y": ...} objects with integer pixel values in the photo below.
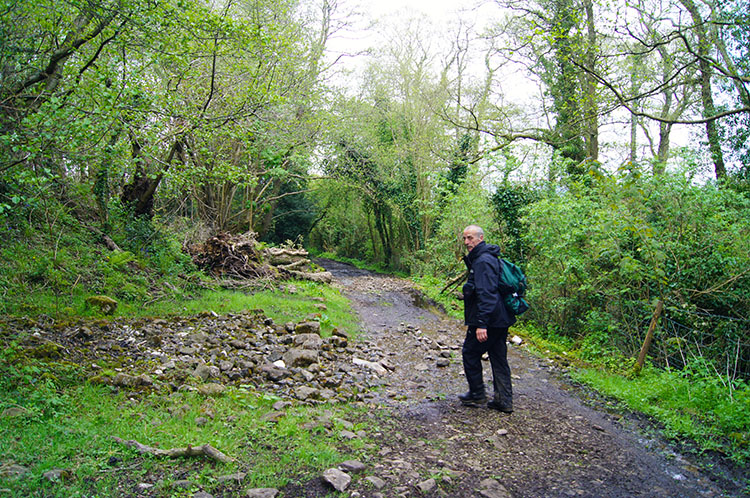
[
  {"x": 53, "y": 271},
  {"x": 689, "y": 404}
]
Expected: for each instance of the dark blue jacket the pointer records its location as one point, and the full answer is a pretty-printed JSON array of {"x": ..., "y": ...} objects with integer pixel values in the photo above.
[{"x": 483, "y": 304}]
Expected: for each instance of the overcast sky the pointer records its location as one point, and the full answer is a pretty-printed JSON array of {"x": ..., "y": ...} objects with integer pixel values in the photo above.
[{"x": 441, "y": 14}]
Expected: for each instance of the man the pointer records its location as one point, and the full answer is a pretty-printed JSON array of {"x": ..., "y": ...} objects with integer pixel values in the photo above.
[{"x": 488, "y": 321}]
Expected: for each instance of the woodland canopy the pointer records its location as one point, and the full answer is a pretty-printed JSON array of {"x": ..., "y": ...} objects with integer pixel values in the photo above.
[{"x": 603, "y": 145}]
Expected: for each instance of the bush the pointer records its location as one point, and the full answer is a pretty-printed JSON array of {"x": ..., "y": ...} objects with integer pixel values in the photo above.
[{"x": 601, "y": 255}]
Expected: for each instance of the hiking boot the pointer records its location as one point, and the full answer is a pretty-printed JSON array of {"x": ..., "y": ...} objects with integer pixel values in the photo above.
[
  {"x": 497, "y": 405},
  {"x": 472, "y": 399}
]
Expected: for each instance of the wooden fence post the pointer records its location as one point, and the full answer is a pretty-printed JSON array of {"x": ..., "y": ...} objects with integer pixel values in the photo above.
[{"x": 649, "y": 336}]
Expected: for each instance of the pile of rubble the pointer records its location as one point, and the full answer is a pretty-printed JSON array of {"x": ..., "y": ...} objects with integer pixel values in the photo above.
[{"x": 209, "y": 352}]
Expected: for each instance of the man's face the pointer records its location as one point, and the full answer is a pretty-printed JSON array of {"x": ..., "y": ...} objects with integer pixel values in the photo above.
[{"x": 471, "y": 239}]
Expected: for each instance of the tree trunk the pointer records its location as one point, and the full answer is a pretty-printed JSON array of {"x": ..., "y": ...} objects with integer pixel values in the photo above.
[
  {"x": 709, "y": 110},
  {"x": 268, "y": 216},
  {"x": 140, "y": 192},
  {"x": 591, "y": 133}
]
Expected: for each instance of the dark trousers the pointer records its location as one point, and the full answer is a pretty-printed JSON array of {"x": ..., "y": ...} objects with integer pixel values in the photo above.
[{"x": 497, "y": 350}]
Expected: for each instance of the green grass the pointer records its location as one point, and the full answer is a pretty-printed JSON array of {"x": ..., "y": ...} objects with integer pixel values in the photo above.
[
  {"x": 70, "y": 264},
  {"x": 281, "y": 306},
  {"x": 77, "y": 435},
  {"x": 694, "y": 406},
  {"x": 432, "y": 287}
]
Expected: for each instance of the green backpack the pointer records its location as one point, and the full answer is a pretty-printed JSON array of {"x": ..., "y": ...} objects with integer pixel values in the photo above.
[{"x": 512, "y": 287}]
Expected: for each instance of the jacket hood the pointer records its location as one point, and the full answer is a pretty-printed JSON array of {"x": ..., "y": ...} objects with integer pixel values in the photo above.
[{"x": 483, "y": 247}]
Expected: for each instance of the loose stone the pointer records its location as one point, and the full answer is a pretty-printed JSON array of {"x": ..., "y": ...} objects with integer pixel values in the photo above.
[
  {"x": 352, "y": 466},
  {"x": 336, "y": 478},
  {"x": 377, "y": 482},
  {"x": 262, "y": 493},
  {"x": 427, "y": 486}
]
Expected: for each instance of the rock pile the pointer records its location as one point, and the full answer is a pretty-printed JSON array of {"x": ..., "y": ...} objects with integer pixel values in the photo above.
[{"x": 209, "y": 352}]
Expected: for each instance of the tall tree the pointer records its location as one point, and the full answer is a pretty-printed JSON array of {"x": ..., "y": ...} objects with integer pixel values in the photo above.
[
  {"x": 683, "y": 39},
  {"x": 704, "y": 42}
]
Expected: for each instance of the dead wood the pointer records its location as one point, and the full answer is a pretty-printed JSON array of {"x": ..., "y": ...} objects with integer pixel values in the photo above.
[
  {"x": 202, "y": 450},
  {"x": 296, "y": 264},
  {"x": 238, "y": 257},
  {"x": 230, "y": 255},
  {"x": 321, "y": 276},
  {"x": 283, "y": 255},
  {"x": 111, "y": 245},
  {"x": 455, "y": 281}
]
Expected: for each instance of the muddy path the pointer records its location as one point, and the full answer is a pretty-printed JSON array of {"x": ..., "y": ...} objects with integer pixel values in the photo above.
[{"x": 555, "y": 444}]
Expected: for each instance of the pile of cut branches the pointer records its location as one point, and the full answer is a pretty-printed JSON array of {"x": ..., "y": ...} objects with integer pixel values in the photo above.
[{"x": 226, "y": 255}]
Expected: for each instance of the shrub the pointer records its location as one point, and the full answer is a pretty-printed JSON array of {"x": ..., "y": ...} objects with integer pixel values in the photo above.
[{"x": 601, "y": 255}]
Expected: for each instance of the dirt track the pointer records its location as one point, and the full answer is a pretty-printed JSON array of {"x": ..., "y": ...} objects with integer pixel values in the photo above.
[{"x": 554, "y": 444}]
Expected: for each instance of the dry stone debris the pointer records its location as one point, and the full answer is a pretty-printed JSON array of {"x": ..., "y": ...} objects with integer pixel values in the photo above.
[
  {"x": 55, "y": 475},
  {"x": 352, "y": 466},
  {"x": 491, "y": 488},
  {"x": 236, "y": 477},
  {"x": 427, "y": 486},
  {"x": 376, "y": 481},
  {"x": 211, "y": 352},
  {"x": 336, "y": 478},
  {"x": 12, "y": 471},
  {"x": 183, "y": 484},
  {"x": 262, "y": 493}
]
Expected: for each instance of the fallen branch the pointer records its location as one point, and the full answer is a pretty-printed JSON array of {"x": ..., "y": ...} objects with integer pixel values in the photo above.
[
  {"x": 204, "y": 449},
  {"x": 292, "y": 266},
  {"x": 455, "y": 281},
  {"x": 321, "y": 276},
  {"x": 283, "y": 256}
]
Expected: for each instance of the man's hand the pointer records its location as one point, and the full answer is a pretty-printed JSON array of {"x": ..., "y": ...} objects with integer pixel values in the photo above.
[{"x": 481, "y": 335}]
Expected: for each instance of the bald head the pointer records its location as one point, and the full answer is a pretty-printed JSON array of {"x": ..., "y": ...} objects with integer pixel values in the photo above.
[{"x": 472, "y": 236}]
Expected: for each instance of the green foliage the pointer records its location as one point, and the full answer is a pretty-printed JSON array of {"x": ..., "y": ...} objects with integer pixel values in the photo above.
[
  {"x": 695, "y": 404},
  {"x": 432, "y": 287},
  {"x": 292, "y": 216},
  {"x": 623, "y": 241},
  {"x": 737, "y": 135},
  {"x": 53, "y": 270},
  {"x": 443, "y": 251},
  {"x": 692, "y": 403},
  {"x": 509, "y": 201},
  {"x": 30, "y": 381},
  {"x": 344, "y": 230}
]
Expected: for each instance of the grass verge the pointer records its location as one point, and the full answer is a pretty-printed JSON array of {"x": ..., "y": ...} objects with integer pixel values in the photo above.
[
  {"x": 77, "y": 436},
  {"x": 293, "y": 301},
  {"x": 688, "y": 405}
]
